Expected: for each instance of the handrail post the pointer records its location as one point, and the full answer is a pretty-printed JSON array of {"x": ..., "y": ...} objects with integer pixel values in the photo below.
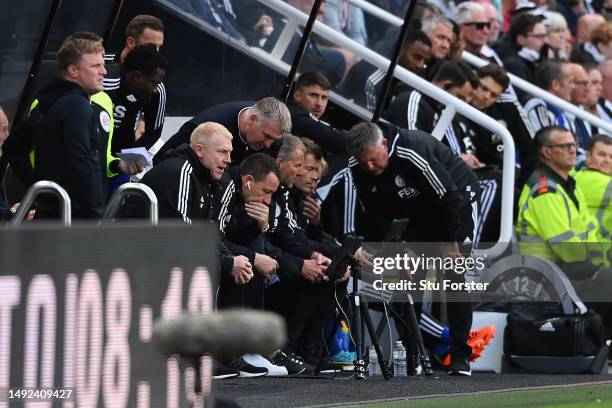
[
  {"x": 37, "y": 189},
  {"x": 444, "y": 122},
  {"x": 130, "y": 188}
]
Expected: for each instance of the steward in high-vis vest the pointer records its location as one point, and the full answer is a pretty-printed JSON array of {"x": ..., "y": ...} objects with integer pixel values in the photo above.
[
  {"x": 553, "y": 220},
  {"x": 595, "y": 181}
]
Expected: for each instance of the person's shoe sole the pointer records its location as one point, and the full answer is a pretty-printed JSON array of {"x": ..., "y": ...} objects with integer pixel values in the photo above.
[
  {"x": 244, "y": 374},
  {"x": 223, "y": 376},
  {"x": 460, "y": 373}
]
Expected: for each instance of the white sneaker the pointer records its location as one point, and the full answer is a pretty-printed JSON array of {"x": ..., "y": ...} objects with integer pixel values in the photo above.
[{"x": 260, "y": 361}]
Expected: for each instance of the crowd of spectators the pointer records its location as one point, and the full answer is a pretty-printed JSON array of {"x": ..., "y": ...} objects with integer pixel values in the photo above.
[{"x": 285, "y": 186}]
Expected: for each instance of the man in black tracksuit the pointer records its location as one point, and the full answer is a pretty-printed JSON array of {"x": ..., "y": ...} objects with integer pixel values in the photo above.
[
  {"x": 242, "y": 208},
  {"x": 185, "y": 184},
  {"x": 255, "y": 126},
  {"x": 135, "y": 97},
  {"x": 131, "y": 107},
  {"x": 409, "y": 174}
]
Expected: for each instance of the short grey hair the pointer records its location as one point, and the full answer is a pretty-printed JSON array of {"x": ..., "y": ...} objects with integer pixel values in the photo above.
[
  {"x": 271, "y": 109},
  {"x": 291, "y": 144},
  {"x": 554, "y": 21},
  {"x": 362, "y": 136},
  {"x": 431, "y": 23},
  {"x": 463, "y": 13}
]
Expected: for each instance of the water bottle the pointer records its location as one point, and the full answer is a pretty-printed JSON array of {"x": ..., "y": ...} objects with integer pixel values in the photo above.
[
  {"x": 373, "y": 367},
  {"x": 399, "y": 360}
]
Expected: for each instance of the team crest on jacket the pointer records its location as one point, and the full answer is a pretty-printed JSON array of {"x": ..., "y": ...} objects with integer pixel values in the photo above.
[
  {"x": 399, "y": 181},
  {"x": 105, "y": 121}
]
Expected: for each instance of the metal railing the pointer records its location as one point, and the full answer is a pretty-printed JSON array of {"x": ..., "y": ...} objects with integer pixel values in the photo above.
[
  {"x": 454, "y": 105},
  {"x": 44, "y": 187},
  {"x": 125, "y": 190},
  {"x": 514, "y": 80}
]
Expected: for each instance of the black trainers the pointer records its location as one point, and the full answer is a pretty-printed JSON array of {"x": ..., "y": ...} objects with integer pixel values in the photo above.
[
  {"x": 293, "y": 363},
  {"x": 460, "y": 366},
  {"x": 220, "y": 371},
  {"x": 245, "y": 369}
]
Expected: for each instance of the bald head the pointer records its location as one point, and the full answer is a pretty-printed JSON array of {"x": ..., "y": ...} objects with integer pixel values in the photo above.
[
  {"x": 580, "y": 93},
  {"x": 212, "y": 144},
  {"x": 586, "y": 24}
]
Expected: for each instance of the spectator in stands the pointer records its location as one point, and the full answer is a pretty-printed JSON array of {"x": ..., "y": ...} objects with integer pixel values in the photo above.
[
  {"x": 558, "y": 38},
  {"x": 143, "y": 71},
  {"x": 571, "y": 10},
  {"x": 142, "y": 29},
  {"x": 586, "y": 24},
  {"x": 598, "y": 49},
  {"x": 606, "y": 10},
  {"x": 64, "y": 131},
  {"x": 440, "y": 32},
  {"x": 475, "y": 28},
  {"x": 364, "y": 82},
  {"x": 254, "y": 20},
  {"x": 493, "y": 82},
  {"x": 556, "y": 78},
  {"x": 255, "y": 126},
  {"x": 580, "y": 96},
  {"x": 309, "y": 102},
  {"x": 333, "y": 62},
  {"x": 605, "y": 103},
  {"x": 595, "y": 89},
  {"x": 528, "y": 36},
  {"x": 219, "y": 14},
  {"x": 554, "y": 220},
  {"x": 493, "y": 17},
  {"x": 346, "y": 18}
]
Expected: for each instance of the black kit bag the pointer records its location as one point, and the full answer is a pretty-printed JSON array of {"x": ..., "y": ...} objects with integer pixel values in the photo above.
[{"x": 544, "y": 330}]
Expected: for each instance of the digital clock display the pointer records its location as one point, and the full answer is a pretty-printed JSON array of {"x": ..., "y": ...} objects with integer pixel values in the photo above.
[{"x": 77, "y": 308}]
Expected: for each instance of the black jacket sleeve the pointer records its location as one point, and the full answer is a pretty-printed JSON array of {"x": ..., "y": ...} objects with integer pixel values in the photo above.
[
  {"x": 329, "y": 138},
  {"x": 17, "y": 149},
  {"x": 154, "y": 114}
]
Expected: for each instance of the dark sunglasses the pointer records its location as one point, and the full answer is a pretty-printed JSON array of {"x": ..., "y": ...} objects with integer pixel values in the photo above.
[{"x": 479, "y": 25}]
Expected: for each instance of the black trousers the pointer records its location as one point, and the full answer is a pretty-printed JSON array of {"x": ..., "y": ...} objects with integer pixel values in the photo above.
[
  {"x": 305, "y": 307},
  {"x": 459, "y": 312}
]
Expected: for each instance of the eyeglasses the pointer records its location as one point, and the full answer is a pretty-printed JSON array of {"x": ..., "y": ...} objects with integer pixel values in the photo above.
[
  {"x": 479, "y": 25},
  {"x": 541, "y": 35},
  {"x": 564, "y": 146}
]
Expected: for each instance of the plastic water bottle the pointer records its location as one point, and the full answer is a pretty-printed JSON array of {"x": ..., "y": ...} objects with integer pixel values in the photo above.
[
  {"x": 373, "y": 367},
  {"x": 399, "y": 360}
]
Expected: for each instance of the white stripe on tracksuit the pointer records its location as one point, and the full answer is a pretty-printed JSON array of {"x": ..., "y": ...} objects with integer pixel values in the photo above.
[
  {"x": 183, "y": 194},
  {"x": 424, "y": 166},
  {"x": 488, "y": 190}
]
